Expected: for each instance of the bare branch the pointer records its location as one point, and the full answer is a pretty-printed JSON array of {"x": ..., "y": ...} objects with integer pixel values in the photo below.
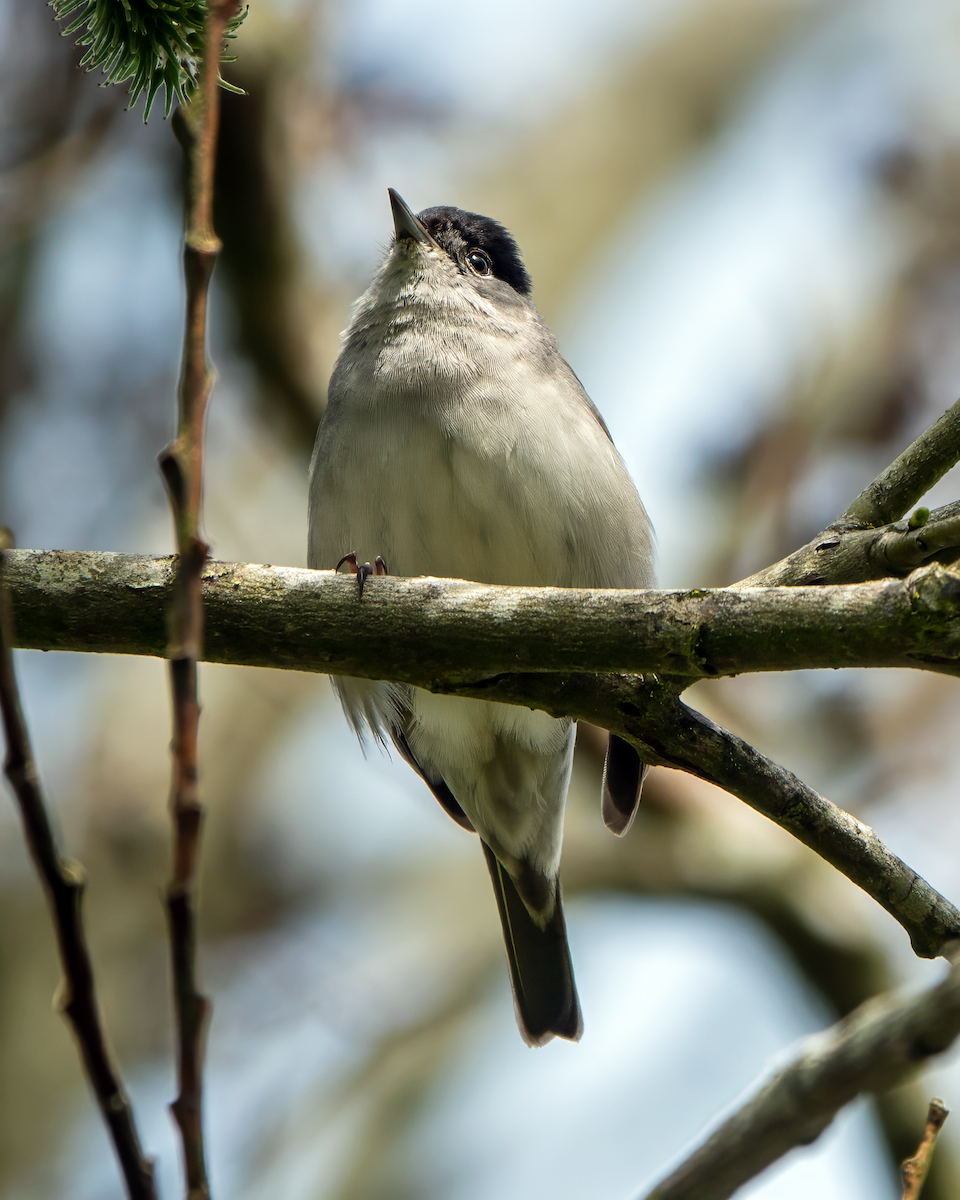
[
  {"x": 63, "y": 883},
  {"x": 865, "y": 542},
  {"x": 881, "y": 1044},
  {"x": 693, "y": 743},
  {"x": 914, "y": 1170},
  {"x": 435, "y": 632},
  {"x": 910, "y": 476},
  {"x": 907, "y": 549},
  {"x": 851, "y": 554},
  {"x": 414, "y": 630},
  {"x": 182, "y": 466},
  {"x": 667, "y": 733}
]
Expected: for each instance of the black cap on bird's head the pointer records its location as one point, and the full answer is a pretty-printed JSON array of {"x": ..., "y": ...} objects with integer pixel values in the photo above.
[{"x": 480, "y": 246}]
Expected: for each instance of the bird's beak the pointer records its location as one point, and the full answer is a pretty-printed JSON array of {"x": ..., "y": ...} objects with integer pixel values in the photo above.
[{"x": 405, "y": 223}]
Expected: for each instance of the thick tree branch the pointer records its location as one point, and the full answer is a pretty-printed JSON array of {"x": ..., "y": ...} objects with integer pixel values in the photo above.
[
  {"x": 879, "y": 1045},
  {"x": 434, "y": 632},
  {"x": 63, "y": 883},
  {"x": 509, "y": 644}
]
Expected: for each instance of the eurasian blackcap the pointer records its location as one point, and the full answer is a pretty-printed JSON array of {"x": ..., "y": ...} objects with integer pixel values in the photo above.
[{"x": 458, "y": 443}]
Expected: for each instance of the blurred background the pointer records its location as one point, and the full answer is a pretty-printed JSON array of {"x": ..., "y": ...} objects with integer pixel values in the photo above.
[{"x": 742, "y": 219}]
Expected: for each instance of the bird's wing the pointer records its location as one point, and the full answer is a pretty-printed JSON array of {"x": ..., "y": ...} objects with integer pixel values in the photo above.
[
  {"x": 623, "y": 776},
  {"x": 443, "y": 794},
  {"x": 383, "y": 710}
]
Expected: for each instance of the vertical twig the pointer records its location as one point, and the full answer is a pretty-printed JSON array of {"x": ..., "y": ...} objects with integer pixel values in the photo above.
[
  {"x": 914, "y": 1170},
  {"x": 182, "y": 466},
  {"x": 63, "y": 882}
]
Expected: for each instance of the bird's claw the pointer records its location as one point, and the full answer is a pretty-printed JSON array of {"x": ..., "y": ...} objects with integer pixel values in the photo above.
[{"x": 363, "y": 571}]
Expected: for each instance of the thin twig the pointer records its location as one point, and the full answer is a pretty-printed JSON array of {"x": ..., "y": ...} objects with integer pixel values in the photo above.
[
  {"x": 914, "y": 1170},
  {"x": 182, "y": 467},
  {"x": 910, "y": 476},
  {"x": 878, "y": 1046},
  {"x": 63, "y": 883},
  {"x": 690, "y": 741},
  {"x": 857, "y": 544}
]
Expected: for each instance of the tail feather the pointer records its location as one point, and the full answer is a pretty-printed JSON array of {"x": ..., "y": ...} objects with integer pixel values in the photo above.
[{"x": 544, "y": 991}]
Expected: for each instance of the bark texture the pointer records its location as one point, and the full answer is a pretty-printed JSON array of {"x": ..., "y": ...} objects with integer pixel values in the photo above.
[{"x": 440, "y": 633}]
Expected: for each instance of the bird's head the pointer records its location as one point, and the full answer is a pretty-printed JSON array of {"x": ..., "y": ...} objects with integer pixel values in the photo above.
[{"x": 480, "y": 250}]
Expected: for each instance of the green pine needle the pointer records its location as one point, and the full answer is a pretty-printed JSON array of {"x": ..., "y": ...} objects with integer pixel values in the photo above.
[{"x": 153, "y": 43}]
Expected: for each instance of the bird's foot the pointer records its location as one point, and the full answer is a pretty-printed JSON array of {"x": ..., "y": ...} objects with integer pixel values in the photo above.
[{"x": 363, "y": 571}]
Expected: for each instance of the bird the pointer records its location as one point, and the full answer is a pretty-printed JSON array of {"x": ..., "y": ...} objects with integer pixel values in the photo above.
[{"x": 458, "y": 443}]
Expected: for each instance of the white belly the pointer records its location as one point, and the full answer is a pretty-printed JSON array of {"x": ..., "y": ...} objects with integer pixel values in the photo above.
[
  {"x": 445, "y": 479},
  {"x": 448, "y": 485}
]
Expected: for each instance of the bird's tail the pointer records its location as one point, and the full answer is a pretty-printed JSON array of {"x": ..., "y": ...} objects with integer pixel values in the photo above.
[{"x": 544, "y": 991}]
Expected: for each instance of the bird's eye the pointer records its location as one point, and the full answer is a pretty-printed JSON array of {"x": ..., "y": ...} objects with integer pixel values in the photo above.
[{"x": 480, "y": 263}]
